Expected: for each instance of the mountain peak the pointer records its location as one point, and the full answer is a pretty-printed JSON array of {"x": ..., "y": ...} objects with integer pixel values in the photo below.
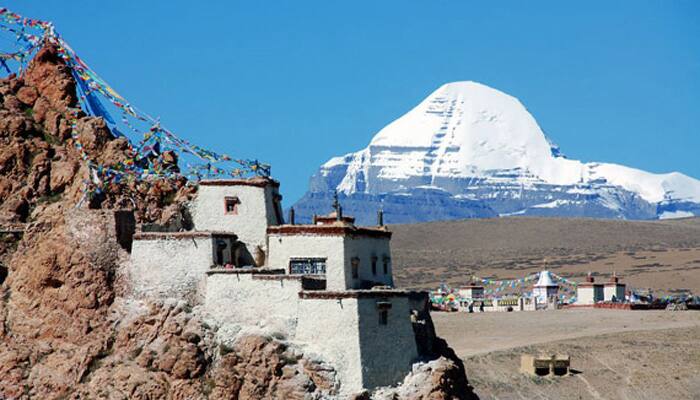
[
  {"x": 463, "y": 127},
  {"x": 468, "y": 141}
]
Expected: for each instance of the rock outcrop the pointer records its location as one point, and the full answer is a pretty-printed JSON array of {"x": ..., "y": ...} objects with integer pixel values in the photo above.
[{"x": 67, "y": 330}]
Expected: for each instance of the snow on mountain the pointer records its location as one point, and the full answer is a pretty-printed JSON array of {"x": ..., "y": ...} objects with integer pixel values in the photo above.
[{"x": 469, "y": 150}]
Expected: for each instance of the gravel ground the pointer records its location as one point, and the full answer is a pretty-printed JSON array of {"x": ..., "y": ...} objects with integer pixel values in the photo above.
[{"x": 615, "y": 354}]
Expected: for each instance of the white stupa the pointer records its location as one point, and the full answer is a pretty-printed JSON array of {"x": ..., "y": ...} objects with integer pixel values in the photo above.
[{"x": 545, "y": 288}]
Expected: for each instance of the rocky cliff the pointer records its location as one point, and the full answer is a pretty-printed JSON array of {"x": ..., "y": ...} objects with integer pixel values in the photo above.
[{"x": 67, "y": 327}]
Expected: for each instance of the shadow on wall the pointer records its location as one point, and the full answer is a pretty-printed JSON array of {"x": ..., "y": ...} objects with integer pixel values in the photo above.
[{"x": 242, "y": 257}]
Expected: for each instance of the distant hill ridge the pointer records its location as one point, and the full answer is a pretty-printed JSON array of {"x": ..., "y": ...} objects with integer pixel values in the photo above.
[
  {"x": 468, "y": 151},
  {"x": 659, "y": 254}
]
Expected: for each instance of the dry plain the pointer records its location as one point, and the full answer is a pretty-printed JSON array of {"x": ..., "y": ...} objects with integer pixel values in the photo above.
[{"x": 614, "y": 354}]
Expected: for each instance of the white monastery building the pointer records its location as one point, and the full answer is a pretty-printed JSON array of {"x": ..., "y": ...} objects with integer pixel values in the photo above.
[{"x": 327, "y": 285}]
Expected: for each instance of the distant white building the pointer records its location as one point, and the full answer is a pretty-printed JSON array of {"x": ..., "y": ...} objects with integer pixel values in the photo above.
[
  {"x": 471, "y": 292},
  {"x": 327, "y": 286},
  {"x": 614, "y": 290},
  {"x": 589, "y": 292},
  {"x": 545, "y": 288}
]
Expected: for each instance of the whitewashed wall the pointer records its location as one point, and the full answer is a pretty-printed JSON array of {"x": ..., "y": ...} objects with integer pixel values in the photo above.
[
  {"x": 365, "y": 248},
  {"x": 617, "y": 290},
  {"x": 242, "y": 299},
  {"x": 585, "y": 295},
  {"x": 589, "y": 294},
  {"x": 387, "y": 351},
  {"x": 329, "y": 328},
  {"x": 162, "y": 268},
  {"x": 339, "y": 252},
  {"x": 542, "y": 294},
  {"x": 255, "y": 212},
  {"x": 471, "y": 293},
  {"x": 283, "y": 247}
]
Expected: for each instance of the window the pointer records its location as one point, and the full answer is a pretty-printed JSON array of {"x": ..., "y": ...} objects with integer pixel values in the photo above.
[
  {"x": 386, "y": 264},
  {"x": 374, "y": 265},
  {"x": 231, "y": 205},
  {"x": 220, "y": 246},
  {"x": 307, "y": 266},
  {"x": 383, "y": 307},
  {"x": 355, "y": 263},
  {"x": 383, "y": 317}
]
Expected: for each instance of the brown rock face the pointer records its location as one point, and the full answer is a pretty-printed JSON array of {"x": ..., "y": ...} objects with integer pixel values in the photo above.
[
  {"x": 50, "y": 76},
  {"x": 27, "y": 95}
]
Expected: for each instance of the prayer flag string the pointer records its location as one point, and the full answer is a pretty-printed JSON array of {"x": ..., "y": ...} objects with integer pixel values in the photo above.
[{"x": 149, "y": 141}]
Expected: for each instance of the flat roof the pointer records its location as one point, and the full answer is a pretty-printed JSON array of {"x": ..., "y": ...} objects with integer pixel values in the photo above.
[
  {"x": 181, "y": 235},
  {"x": 589, "y": 285},
  {"x": 327, "y": 230},
  {"x": 358, "y": 294},
  {"x": 258, "y": 181},
  {"x": 276, "y": 272}
]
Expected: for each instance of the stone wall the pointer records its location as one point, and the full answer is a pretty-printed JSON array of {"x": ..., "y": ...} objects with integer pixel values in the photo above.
[
  {"x": 284, "y": 247},
  {"x": 339, "y": 250},
  {"x": 171, "y": 267},
  {"x": 345, "y": 330},
  {"x": 387, "y": 351},
  {"x": 253, "y": 299},
  {"x": 365, "y": 248},
  {"x": 329, "y": 329}
]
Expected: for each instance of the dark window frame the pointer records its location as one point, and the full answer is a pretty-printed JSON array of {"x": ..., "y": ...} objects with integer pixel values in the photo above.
[
  {"x": 384, "y": 317},
  {"x": 308, "y": 265},
  {"x": 231, "y": 201},
  {"x": 355, "y": 267}
]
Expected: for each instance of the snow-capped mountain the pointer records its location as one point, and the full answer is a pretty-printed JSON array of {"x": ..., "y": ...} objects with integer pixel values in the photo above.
[{"x": 469, "y": 150}]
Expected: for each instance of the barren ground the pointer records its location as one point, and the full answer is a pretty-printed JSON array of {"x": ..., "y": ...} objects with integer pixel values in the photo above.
[
  {"x": 614, "y": 354},
  {"x": 663, "y": 255}
]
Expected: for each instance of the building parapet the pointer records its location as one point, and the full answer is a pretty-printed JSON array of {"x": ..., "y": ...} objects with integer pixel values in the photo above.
[
  {"x": 288, "y": 277},
  {"x": 257, "y": 182},
  {"x": 327, "y": 230},
  {"x": 258, "y": 272},
  {"x": 359, "y": 294},
  {"x": 181, "y": 235},
  {"x": 589, "y": 285},
  {"x": 308, "y": 282}
]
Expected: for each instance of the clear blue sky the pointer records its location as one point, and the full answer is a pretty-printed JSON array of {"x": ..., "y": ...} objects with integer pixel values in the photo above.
[{"x": 294, "y": 83}]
